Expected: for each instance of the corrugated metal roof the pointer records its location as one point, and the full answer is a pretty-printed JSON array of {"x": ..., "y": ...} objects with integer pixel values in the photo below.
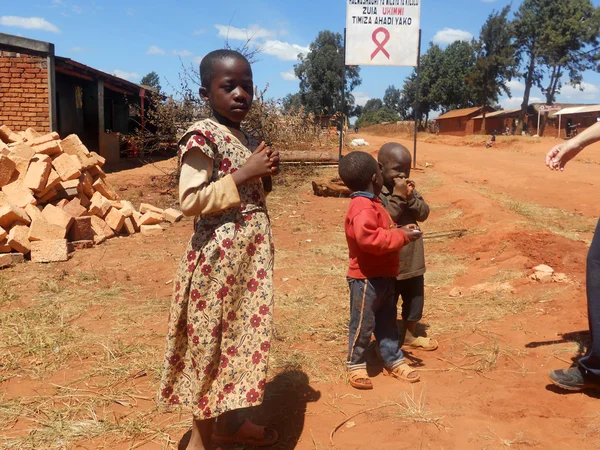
[
  {"x": 501, "y": 113},
  {"x": 578, "y": 110},
  {"x": 460, "y": 113}
]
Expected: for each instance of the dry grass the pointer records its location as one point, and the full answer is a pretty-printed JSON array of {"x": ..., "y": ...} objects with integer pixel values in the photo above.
[{"x": 561, "y": 222}]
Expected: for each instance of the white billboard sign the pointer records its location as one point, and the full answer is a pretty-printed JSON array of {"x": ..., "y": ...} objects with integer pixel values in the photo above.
[{"x": 382, "y": 32}]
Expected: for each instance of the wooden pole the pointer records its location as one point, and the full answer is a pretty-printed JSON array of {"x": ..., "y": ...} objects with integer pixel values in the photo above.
[
  {"x": 416, "y": 105},
  {"x": 343, "y": 99}
]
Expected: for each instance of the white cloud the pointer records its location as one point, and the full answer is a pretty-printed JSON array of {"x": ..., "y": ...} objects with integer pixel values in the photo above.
[
  {"x": 449, "y": 35},
  {"x": 77, "y": 50},
  {"x": 154, "y": 50},
  {"x": 200, "y": 32},
  {"x": 29, "y": 23},
  {"x": 283, "y": 50},
  {"x": 515, "y": 102},
  {"x": 244, "y": 34},
  {"x": 361, "y": 98},
  {"x": 126, "y": 75},
  {"x": 515, "y": 86},
  {"x": 182, "y": 53},
  {"x": 289, "y": 75},
  {"x": 590, "y": 92}
]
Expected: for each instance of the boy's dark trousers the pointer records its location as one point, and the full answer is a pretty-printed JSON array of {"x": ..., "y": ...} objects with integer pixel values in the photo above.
[
  {"x": 590, "y": 363},
  {"x": 412, "y": 293},
  {"x": 373, "y": 311}
]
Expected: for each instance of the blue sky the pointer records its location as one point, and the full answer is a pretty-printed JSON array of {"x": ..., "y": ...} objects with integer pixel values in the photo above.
[{"x": 130, "y": 38}]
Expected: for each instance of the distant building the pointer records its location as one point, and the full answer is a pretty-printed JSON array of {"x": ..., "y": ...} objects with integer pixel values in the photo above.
[
  {"x": 580, "y": 115},
  {"x": 459, "y": 122},
  {"x": 497, "y": 121},
  {"x": 50, "y": 93}
]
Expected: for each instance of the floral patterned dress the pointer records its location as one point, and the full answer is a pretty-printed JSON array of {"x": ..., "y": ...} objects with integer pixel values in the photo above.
[{"x": 220, "y": 319}]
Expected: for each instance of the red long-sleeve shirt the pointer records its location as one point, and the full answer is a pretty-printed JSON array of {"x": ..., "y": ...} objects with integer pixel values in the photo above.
[{"x": 373, "y": 241}]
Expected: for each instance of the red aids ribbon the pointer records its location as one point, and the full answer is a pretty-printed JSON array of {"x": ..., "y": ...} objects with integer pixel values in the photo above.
[{"x": 381, "y": 44}]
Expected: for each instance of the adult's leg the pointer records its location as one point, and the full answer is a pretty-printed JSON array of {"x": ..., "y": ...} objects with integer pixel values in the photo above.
[
  {"x": 590, "y": 363},
  {"x": 201, "y": 438},
  {"x": 587, "y": 372}
]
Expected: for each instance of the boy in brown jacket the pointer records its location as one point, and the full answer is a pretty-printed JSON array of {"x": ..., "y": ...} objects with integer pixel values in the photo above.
[{"x": 406, "y": 206}]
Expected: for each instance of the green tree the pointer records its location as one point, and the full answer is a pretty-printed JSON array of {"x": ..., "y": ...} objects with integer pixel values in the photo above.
[
  {"x": 392, "y": 98},
  {"x": 291, "y": 101},
  {"x": 496, "y": 62},
  {"x": 430, "y": 86},
  {"x": 373, "y": 104},
  {"x": 457, "y": 64},
  {"x": 380, "y": 115},
  {"x": 529, "y": 25},
  {"x": 320, "y": 74},
  {"x": 152, "y": 79},
  {"x": 563, "y": 46}
]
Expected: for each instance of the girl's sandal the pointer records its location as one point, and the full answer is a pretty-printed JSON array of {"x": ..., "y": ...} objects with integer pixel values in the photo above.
[
  {"x": 403, "y": 372},
  {"x": 359, "y": 379},
  {"x": 422, "y": 343},
  {"x": 249, "y": 434}
]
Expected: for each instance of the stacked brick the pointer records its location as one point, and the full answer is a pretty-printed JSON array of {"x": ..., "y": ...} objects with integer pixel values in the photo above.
[
  {"x": 24, "y": 92},
  {"x": 55, "y": 199}
]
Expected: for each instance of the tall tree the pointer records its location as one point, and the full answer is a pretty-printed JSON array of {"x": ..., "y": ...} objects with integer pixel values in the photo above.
[
  {"x": 320, "y": 74},
  {"x": 457, "y": 64},
  {"x": 151, "y": 79},
  {"x": 430, "y": 74},
  {"x": 564, "y": 45},
  {"x": 392, "y": 98},
  {"x": 291, "y": 101},
  {"x": 373, "y": 104},
  {"x": 530, "y": 25},
  {"x": 496, "y": 62}
]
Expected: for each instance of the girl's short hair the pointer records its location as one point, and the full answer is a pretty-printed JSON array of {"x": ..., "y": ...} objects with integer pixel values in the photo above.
[{"x": 207, "y": 64}]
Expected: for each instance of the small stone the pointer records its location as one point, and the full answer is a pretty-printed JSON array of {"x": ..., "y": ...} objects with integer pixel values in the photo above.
[
  {"x": 100, "y": 186},
  {"x": 150, "y": 218},
  {"x": 543, "y": 268},
  {"x": 79, "y": 245},
  {"x": 145, "y": 207},
  {"x": 455, "y": 292}
]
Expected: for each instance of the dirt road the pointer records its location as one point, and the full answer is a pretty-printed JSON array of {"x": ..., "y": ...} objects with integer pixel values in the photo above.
[{"x": 83, "y": 340}]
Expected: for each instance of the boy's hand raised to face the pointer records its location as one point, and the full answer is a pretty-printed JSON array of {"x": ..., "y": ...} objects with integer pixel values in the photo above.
[
  {"x": 400, "y": 187},
  {"x": 410, "y": 187}
]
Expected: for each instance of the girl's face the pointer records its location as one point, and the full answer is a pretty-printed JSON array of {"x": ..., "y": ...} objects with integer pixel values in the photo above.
[{"x": 231, "y": 91}]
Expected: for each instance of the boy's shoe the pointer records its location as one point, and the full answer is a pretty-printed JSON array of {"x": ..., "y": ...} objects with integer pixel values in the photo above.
[
  {"x": 359, "y": 379},
  {"x": 419, "y": 343},
  {"x": 573, "y": 379}
]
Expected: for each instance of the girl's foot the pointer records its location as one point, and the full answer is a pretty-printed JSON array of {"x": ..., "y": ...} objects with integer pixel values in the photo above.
[
  {"x": 359, "y": 379},
  {"x": 249, "y": 434}
]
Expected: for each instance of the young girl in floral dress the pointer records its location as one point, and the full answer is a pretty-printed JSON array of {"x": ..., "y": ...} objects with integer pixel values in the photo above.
[{"x": 220, "y": 320}]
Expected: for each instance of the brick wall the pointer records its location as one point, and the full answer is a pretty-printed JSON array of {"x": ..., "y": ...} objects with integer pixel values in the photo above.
[{"x": 24, "y": 92}]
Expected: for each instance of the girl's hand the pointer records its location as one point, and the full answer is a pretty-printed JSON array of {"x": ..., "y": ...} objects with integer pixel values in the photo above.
[
  {"x": 257, "y": 166},
  {"x": 274, "y": 158}
]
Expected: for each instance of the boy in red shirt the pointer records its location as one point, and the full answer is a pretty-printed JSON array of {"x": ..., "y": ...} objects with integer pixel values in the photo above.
[{"x": 374, "y": 245}]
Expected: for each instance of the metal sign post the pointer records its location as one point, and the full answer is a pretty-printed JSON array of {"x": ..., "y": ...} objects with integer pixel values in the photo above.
[
  {"x": 343, "y": 98},
  {"x": 416, "y": 105}
]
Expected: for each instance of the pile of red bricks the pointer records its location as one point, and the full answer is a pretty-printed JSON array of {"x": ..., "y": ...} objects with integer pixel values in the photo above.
[{"x": 55, "y": 199}]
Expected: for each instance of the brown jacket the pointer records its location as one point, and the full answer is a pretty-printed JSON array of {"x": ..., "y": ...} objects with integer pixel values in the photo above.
[{"x": 405, "y": 212}]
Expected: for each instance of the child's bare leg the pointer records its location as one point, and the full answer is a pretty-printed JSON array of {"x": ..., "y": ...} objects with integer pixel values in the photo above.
[
  {"x": 410, "y": 326},
  {"x": 201, "y": 437}
]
